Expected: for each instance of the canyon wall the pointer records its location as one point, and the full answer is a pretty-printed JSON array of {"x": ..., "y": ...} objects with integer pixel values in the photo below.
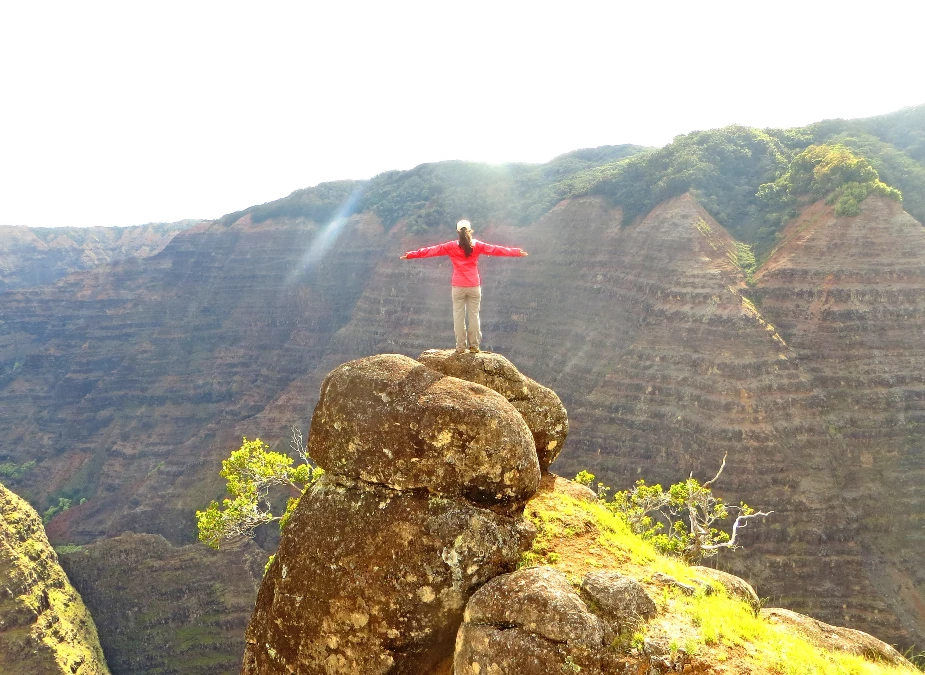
[
  {"x": 128, "y": 384},
  {"x": 32, "y": 256}
]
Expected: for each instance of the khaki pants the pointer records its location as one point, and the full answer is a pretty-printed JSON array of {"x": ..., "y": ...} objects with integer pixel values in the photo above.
[{"x": 466, "y": 300}]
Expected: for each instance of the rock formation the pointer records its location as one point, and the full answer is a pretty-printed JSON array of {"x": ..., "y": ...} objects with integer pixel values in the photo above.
[
  {"x": 538, "y": 405},
  {"x": 190, "y": 604},
  {"x": 849, "y": 294},
  {"x": 620, "y": 600},
  {"x": 438, "y": 434},
  {"x": 736, "y": 587},
  {"x": 600, "y": 606},
  {"x": 418, "y": 507},
  {"x": 32, "y": 256},
  {"x": 45, "y": 629},
  {"x": 129, "y": 383},
  {"x": 835, "y": 638},
  {"x": 530, "y": 622}
]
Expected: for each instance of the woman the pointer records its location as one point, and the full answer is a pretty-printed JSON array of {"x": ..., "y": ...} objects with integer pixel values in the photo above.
[{"x": 467, "y": 286}]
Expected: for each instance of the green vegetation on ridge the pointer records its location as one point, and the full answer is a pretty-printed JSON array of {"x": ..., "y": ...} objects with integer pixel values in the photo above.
[
  {"x": 752, "y": 181},
  {"x": 443, "y": 192},
  {"x": 824, "y": 170}
]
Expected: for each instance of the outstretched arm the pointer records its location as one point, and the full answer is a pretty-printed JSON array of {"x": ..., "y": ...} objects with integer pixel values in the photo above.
[
  {"x": 491, "y": 249},
  {"x": 427, "y": 252}
]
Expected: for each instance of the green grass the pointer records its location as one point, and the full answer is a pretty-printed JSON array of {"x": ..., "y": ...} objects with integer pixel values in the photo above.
[{"x": 576, "y": 537}]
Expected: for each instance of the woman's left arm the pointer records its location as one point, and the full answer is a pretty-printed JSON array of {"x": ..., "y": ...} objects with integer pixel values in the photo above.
[{"x": 492, "y": 249}]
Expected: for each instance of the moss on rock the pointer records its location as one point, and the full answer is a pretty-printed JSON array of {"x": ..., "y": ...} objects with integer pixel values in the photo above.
[{"x": 44, "y": 626}]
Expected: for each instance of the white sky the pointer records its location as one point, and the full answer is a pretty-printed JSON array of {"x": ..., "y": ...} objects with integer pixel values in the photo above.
[{"x": 120, "y": 113}]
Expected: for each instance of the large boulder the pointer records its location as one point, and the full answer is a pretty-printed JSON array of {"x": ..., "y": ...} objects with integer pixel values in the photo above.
[
  {"x": 540, "y": 406},
  {"x": 736, "y": 587},
  {"x": 425, "y": 477},
  {"x": 530, "y": 622},
  {"x": 373, "y": 580},
  {"x": 835, "y": 638},
  {"x": 620, "y": 600},
  {"x": 388, "y": 419}
]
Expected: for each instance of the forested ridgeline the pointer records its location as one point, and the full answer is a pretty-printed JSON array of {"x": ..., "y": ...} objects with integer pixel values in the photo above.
[{"x": 752, "y": 181}]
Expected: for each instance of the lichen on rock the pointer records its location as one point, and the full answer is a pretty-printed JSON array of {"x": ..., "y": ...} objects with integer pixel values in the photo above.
[
  {"x": 388, "y": 419},
  {"x": 530, "y": 622},
  {"x": 45, "y": 629},
  {"x": 618, "y": 599},
  {"x": 540, "y": 406},
  {"x": 374, "y": 580},
  {"x": 421, "y": 503}
]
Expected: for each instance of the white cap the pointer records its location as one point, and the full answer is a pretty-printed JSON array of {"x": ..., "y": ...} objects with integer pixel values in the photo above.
[{"x": 463, "y": 224}]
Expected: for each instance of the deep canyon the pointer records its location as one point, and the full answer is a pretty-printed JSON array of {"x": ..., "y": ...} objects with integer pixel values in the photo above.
[{"x": 128, "y": 382}]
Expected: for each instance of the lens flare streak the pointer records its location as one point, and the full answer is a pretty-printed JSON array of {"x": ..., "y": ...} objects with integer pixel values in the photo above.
[{"x": 325, "y": 238}]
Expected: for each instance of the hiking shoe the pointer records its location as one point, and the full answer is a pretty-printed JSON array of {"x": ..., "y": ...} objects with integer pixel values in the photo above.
[
  {"x": 460, "y": 351},
  {"x": 474, "y": 349}
]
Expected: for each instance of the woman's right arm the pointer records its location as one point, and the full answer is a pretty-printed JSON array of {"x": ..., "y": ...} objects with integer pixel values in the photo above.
[{"x": 427, "y": 252}]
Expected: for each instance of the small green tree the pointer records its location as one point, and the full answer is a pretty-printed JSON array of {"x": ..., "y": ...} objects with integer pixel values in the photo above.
[
  {"x": 251, "y": 471},
  {"x": 683, "y": 520}
]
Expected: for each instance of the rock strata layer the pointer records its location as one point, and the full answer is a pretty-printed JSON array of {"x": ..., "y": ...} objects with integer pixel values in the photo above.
[
  {"x": 379, "y": 558},
  {"x": 190, "y": 603},
  {"x": 45, "y": 629},
  {"x": 31, "y": 256}
]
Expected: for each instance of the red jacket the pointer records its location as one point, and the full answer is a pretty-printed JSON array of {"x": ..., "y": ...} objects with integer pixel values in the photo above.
[{"x": 465, "y": 270}]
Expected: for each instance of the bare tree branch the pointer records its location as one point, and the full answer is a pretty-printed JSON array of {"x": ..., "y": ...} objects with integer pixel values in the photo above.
[
  {"x": 297, "y": 442},
  {"x": 739, "y": 522},
  {"x": 722, "y": 466}
]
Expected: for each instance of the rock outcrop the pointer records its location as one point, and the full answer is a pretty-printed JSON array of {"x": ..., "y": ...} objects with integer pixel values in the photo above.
[
  {"x": 620, "y": 600},
  {"x": 45, "y": 629},
  {"x": 540, "y": 407},
  {"x": 835, "y": 638},
  {"x": 531, "y": 622},
  {"x": 735, "y": 587},
  {"x": 388, "y": 419},
  {"x": 190, "y": 604},
  {"x": 601, "y": 605},
  {"x": 382, "y": 553}
]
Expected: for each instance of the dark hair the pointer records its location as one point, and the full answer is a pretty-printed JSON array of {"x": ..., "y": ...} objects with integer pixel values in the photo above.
[{"x": 465, "y": 240}]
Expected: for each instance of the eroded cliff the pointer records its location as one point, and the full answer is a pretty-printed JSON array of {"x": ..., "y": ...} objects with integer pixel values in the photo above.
[
  {"x": 45, "y": 629},
  {"x": 129, "y": 384},
  {"x": 31, "y": 256},
  {"x": 164, "y": 608}
]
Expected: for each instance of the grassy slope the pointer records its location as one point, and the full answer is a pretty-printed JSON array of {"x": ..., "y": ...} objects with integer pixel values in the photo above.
[{"x": 577, "y": 537}]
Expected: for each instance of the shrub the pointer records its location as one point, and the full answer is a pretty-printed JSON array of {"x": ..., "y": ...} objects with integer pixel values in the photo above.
[
  {"x": 680, "y": 521},
  {"x": 251, "y": 471}
]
